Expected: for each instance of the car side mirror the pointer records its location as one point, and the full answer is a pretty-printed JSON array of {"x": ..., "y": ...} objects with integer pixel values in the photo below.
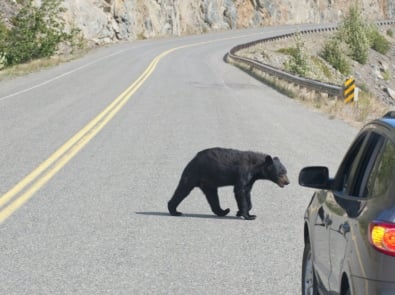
[{"x": 315, "y": 177}]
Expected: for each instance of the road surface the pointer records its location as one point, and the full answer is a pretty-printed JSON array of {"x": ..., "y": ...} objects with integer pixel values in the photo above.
[{"x": 92, "y": 150}]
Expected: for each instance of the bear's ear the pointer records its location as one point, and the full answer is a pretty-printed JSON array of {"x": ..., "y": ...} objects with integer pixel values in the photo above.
[{"x": 268, "y": 160}]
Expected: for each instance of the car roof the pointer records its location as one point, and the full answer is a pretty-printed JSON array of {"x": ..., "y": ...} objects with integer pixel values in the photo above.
[{"x": 387, "y": 121}]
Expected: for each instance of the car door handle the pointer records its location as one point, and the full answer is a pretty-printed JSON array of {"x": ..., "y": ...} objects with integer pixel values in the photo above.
[{"x": 344, "y": 228}]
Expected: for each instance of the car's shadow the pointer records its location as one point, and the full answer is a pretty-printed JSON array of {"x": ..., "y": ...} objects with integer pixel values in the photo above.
[{"x": 187, "y": 215}]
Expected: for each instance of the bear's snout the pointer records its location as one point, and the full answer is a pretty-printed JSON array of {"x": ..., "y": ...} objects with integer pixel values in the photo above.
[{"x": 283, "y": 181}]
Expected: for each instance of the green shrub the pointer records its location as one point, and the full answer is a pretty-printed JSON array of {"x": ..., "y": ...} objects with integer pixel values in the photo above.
[
  {"x": 322, "y": 66},
  {"x": 3, "y": 36},
  {"x": 387, "y": 75},
  {"x": 333, "y": 53},
  {"x": 288, "y": 51},
  {"x": 354, "y": 31},
  {"x": 358, "y": 37},
  {"x": 3, "y": 31},
  {"x": 297, "y": 64},
  {"x": 36, "y": 32},
  {"x": 378, "y": 42},
  {"x": 390, "y": 33}
]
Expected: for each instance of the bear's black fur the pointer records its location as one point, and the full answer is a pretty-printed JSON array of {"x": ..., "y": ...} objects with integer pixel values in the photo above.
[{"x": 217, "y": 167}]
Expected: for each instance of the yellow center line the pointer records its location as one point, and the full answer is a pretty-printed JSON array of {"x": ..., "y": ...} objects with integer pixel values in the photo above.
[
  {"x": 17, "y": 196},
  {"x": 46, "y": 170}
]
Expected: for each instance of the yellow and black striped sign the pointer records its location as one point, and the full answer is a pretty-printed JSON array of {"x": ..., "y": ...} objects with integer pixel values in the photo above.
[{"x": 349, "y": 90}]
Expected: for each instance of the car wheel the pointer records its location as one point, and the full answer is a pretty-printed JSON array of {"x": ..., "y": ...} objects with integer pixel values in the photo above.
[{"x": 309, "y": 283}]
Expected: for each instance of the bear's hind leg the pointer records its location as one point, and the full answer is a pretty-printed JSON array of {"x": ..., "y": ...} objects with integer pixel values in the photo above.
[
  {"x": 182, "y": 191},
  {"x": 213, "y": 200}
]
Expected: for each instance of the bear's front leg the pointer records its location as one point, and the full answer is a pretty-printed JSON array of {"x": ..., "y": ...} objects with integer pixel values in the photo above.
[
  {"x": 243, "y": 199},
  {"x": 249, "y": 217},
  {"x": 249, "y": 204}
]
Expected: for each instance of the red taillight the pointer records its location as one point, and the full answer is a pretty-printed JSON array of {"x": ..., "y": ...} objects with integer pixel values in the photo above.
[{"x": 382, "y": 236}]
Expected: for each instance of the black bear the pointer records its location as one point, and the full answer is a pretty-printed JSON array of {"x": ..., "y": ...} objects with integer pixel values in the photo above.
[{"x": 217, "y": 167}]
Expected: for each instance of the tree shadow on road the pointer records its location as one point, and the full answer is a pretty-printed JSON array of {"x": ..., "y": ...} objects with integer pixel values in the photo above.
[{"x": 188, "y": 215}]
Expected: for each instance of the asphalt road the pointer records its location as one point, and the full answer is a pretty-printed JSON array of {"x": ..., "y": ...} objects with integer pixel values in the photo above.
[{"x": 84, "y": 183}]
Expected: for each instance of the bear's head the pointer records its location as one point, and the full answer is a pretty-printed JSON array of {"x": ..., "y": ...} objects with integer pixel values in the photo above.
[{"x": 276, "y": 171}]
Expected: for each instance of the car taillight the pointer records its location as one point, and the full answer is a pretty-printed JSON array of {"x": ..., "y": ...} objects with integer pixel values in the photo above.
[{"x": 382, "y": 236}]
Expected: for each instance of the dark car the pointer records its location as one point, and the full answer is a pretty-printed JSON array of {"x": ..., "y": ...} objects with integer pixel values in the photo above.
[{"x": 349, "y": 225}]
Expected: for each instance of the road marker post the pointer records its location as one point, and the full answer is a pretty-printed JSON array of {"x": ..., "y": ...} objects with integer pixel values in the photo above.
[{"x": 349, "y": 90}]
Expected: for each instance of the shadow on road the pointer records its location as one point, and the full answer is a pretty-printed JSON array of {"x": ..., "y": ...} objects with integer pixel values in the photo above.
[{"x": 186, "y": 215}]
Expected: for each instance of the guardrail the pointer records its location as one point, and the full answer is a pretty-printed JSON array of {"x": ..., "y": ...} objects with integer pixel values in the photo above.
[{"x": 330, "y": 89}]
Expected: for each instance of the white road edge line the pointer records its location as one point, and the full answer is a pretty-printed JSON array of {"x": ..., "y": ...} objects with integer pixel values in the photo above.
[{"x": 62, "y": 75}]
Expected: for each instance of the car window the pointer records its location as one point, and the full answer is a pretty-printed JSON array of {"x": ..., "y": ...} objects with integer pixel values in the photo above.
[
  {"x": 353, "y": 176},
  {"x": 372, "y": 150},
  {"x": 343, "y": 175},
  {"x": 383, "y": 172}
]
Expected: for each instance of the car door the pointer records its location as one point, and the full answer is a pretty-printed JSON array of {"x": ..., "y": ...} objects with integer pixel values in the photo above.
[
  {"x": 348, "y": 199},
  {"x": 320, "y": 239},
  {"x": 326, "y": 206}
]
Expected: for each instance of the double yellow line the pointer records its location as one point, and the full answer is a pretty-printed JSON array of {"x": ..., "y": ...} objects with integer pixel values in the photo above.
[{"x": 27, "y": 187}]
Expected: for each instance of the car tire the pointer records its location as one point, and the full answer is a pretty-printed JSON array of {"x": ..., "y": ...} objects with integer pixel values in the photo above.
[{"x": 309, "y": 282}]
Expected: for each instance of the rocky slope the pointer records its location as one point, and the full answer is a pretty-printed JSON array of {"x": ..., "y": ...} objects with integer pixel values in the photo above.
[{"x": 105, "y": 21}]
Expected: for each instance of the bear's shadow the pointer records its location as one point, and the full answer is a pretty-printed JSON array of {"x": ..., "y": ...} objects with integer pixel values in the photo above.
[{"x": 188, "y": 215}]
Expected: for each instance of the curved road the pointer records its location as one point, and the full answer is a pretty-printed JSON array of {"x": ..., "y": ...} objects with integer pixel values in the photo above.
[{"x": 92, "y": 150}]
